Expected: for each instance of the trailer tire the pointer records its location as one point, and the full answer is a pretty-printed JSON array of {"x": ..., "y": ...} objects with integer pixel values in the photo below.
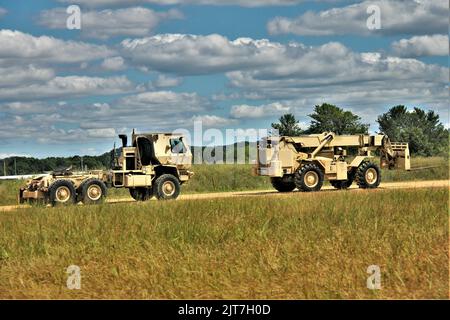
[
  {"x": 62, "y": 192},
  {"x": 92, "y": 191},
  {"x": 368, "y": 175},
  {"x": 167, "y": 187},
  {"x": 141, "y": 194},
  {"x": 282, "y": 185},
  {"x": 309, "y": 178}
]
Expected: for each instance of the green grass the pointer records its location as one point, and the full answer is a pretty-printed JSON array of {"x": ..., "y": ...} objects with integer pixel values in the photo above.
[
  {"x": 221, "y": 178},
  {"x": 434, "y": 168},
  {"x": 9, "y": 191},
  {"x": 286, "y": 246}
]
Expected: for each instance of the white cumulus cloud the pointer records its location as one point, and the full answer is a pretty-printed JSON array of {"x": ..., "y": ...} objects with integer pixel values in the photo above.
[
  {"x": 419, "y": 46},
  {"x": 19, "y": 47},
  {"x": 397, "y": 17},
  {"x": 11, "y": 76},
  {"x": 113, "y": 64},
  {"x": 266, "y": 110},
  {"x": 262, "y": 69},
  {"x": 164, "y": 81},
  {"x": 67, "y": 87},
  {"x": 135, "y": 21},
  {"x": 193, "y": 54},
  {"x": 213, "y": 121},
  {"x": 53, "y": 122}
]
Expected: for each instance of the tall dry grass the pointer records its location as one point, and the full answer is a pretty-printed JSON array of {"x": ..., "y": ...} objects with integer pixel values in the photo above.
[{"x": 295, "y": 246}]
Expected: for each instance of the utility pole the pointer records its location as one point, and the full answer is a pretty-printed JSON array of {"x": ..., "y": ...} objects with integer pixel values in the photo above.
[
  {"x": 81, "y": 163},
  {"x": 15, "y": 166},
  {"x": 4, "y": 167}
]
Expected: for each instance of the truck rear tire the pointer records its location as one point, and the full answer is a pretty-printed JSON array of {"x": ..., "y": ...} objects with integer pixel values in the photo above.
[
  {"x": 167, "y": 187},
  {"x": 282, "y": 184},
  {"x": 92, "y": 191},
  {"x": 141, "y": 194},
  {"x": 368, "y": 175},
  {"x": 62, "y": 192},
  {"x": 309, "y": 178},
  {"x": 344, "y": 184}
]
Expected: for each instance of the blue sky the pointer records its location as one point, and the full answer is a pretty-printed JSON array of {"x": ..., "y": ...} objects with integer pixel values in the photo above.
[{"x": 155, "y": 67}]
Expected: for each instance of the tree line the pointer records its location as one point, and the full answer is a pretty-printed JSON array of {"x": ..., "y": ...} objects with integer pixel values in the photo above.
[
  {"x": 422, "y": 129},
  {"x": 26, "y": 165}
]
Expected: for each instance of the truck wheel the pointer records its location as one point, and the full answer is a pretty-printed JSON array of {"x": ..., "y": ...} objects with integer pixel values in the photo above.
[
  {"x": 344, "y": 184},
  {"x": 20, "y": 198},
  {"x": 368, "y": 175},
  {"x": 283, "y": 185},
  {"x": 62, "y": 192},
  {"x": 341, "y": 184},
  {"x": 93, "y": 191},
  {"x": 309, "y": 178},
  {"x": 141, "y": 194},
  {"x": 167, "y": 187}
]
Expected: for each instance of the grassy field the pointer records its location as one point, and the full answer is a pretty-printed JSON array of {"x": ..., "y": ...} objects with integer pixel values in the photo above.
[
  {"x": 221, "y": 178},
  {"x": 303, "y": 246}
]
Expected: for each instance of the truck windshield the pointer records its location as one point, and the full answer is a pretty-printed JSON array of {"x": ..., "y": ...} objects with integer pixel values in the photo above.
[{"x": 177, "y": 146}]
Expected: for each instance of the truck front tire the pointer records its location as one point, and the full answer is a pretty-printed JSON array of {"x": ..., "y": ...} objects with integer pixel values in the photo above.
[
  {"x": 368, "y": 175},
  {"x": 309, "y": 178},
  {"x": 167, "y": 187}
]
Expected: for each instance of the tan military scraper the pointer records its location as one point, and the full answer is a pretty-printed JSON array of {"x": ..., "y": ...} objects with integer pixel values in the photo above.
[{"x": 304, "y": 162}]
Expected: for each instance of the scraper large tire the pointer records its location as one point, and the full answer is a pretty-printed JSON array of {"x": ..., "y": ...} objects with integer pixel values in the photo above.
[{"x": 368, "y": 175}]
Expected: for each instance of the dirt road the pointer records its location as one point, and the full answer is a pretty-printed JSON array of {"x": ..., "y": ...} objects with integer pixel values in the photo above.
[{"x": 233, "y": 194}]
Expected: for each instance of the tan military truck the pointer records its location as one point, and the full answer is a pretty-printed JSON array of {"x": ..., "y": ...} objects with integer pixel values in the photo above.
[
  {"x": 155, "y": 164},
  {"x": 304, "y": 162}
]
